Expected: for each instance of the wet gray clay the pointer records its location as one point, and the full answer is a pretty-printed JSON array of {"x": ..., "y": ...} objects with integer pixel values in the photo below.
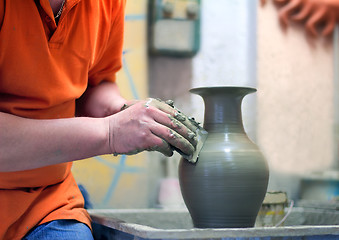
[{"x": 227, "y": 185}]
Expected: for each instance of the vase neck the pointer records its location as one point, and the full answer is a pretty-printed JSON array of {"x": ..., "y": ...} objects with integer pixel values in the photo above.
[
  {"x": 223, "y": 114},
  {"x": 223, "y": 108}
]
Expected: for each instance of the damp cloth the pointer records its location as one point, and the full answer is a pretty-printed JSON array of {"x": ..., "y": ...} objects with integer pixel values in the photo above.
[{"x": 201, "y": 138}]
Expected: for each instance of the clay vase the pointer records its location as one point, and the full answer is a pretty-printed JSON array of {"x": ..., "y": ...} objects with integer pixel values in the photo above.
[{"x": 226, "y": 186}]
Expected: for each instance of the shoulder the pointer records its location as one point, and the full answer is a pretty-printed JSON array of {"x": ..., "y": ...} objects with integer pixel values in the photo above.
[
  {"x": 116, "y": 7},
  {"x": 113, "y": 5},
  {"x": 107, "y": 9}
]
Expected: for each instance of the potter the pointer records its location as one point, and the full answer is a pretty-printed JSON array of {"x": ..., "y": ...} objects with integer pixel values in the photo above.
[{"x": 226, "y": 186}]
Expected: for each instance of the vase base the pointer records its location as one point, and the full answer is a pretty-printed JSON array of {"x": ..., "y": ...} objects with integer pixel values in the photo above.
[{"x": 228, "y": 224}]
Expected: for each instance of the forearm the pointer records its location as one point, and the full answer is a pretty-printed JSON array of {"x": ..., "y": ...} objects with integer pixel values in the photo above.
[
  {"x": 100, "y": 101},
  {"x": 27, "y": 143}
]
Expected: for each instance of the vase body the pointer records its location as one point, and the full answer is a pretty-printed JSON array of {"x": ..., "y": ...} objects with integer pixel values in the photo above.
[{"x": 226, "y": 186}]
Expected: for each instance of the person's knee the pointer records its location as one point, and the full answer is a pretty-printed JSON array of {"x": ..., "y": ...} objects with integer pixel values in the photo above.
[{"x": 61, "y": 229}]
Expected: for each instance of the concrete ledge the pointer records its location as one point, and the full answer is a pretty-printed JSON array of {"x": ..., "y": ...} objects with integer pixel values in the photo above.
[{"x": 177, "y": 224}]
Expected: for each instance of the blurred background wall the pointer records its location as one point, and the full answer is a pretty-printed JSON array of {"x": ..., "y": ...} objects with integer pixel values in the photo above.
[
  {"x": 291, "y": 117},
  {"x": 295, "y": 101}
]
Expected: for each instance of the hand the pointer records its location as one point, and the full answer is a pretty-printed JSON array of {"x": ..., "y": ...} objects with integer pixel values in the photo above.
[
  {"x": 151, "y": 125},
  {"x": 316, "y": 13}
]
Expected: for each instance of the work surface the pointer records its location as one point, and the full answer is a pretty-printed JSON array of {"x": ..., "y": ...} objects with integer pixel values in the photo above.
[{"x": 142, "y": 224}]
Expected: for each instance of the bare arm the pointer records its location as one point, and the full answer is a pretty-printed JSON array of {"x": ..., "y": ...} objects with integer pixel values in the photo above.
[
  {"x": 144, "y": 125},
  {"x": 27, "y": 143},
  {"x": 100, "y": 101}
]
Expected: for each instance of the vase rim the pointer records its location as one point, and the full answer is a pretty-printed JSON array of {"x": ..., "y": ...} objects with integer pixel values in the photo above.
[{"x": 225, "y": 89}]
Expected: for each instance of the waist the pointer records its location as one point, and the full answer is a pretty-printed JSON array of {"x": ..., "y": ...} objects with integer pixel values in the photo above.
[{"x": 39, "y": 177}]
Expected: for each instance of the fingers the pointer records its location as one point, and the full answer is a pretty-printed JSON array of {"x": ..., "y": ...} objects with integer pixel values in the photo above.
[
  {"x": 287, "y": 10},
  {"x": 173, "y": 138},
  {"x": 263, "y": 2},
  {"x": 316, "y": 18},
  {"x": 162, "y": 147},
  {"x": 180, "y": 128},
  {"x": 187, "y": 121},
  {"x": 329, "y": 27},
  {"x": 177, "y": 126},
  {"x": 316, "y": 13},
  {"x": 303, "y": 13},
  {"x": 281, "y": 1},
  {"x": 168, "y": 107}
]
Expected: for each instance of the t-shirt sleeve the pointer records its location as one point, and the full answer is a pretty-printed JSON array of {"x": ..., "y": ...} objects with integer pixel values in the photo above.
[
  {"x": 2, "y": 12},
  {"x": 111, "y": 60}
]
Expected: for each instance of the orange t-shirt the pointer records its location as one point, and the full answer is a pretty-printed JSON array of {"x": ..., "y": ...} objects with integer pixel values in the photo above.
[{"x": 44, "y": 68}]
